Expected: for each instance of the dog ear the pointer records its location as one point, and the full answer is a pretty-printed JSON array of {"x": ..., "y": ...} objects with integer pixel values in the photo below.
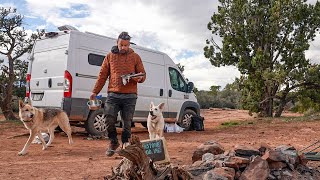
[
  {"x": 151, "y": 104},
  {"x": 21, "y": 105},
  {"x": 29, "y": 102},
  {"x": 161, "y": 106}
]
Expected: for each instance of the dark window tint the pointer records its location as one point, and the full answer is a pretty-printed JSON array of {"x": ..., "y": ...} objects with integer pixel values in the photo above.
[
  {"x": 176, "y": 80},
  {"x": 95, "y": 59}
]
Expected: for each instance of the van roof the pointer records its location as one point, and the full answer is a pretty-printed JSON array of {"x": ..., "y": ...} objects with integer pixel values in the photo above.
[
  {"x": 136, "y": 46},
  {"x": 59, "y": 33},
  {"x": 65, "y": 32}
]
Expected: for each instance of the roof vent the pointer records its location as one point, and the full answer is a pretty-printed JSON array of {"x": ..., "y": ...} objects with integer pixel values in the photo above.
[{"x": 67, "y": 28}]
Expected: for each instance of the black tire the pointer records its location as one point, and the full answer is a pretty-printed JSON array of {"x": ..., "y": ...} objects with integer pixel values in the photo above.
[
  {"x": 144, "y": 124},
  {"x": 96, "y": 123},
  {"x": 185, "y": 121}
]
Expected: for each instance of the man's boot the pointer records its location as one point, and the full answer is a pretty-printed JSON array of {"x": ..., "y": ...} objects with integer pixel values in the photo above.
[{"x": 112, "y": 148}]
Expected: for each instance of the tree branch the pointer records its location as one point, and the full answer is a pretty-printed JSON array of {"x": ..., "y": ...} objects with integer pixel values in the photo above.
[
  {"x": 307, "y": 84},
  {"x": 20, "y": 53},
  {"x": 268, "y": 98},
  {"x": 3, "y": 53},
  {"x": 215, "y": 44},
  {"x": 281, "y": 47}
]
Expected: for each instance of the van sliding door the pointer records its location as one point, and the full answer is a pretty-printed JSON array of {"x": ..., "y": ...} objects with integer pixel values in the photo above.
[{"x": 153, "y": 88}]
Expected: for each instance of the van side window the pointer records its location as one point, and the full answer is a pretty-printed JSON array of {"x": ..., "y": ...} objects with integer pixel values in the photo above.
[
  {"x": 176, "y": 80},
  {"x": 95, "y": 59}
]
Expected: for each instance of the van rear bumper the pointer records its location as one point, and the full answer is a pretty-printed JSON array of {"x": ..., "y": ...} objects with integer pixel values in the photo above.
[{"x": 76, "y": 108}]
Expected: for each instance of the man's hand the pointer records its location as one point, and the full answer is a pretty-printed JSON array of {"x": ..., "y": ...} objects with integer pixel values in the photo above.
[
  {"x": 137, "y": 79},
  {"x": 93, "y": 96}
]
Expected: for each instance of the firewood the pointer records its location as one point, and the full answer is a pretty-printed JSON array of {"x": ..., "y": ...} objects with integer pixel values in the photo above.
[{"x": 137, "y": 165}]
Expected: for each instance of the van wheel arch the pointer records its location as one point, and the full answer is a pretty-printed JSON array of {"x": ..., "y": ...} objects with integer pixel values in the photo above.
[
  {"x": 188, "y": 109},
  {"x": 96, "y": 123},
  {"x": 185, "y": 120}
]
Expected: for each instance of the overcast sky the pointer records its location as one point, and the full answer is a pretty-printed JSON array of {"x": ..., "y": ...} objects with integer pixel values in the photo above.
[{"x": 175, "y": 27}]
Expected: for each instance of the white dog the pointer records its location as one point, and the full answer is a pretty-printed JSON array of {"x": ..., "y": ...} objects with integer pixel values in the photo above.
[{"x": 155, "y": 122}]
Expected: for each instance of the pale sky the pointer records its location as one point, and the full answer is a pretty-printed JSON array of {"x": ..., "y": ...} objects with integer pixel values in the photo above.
[{"x": 177, "y": 28}]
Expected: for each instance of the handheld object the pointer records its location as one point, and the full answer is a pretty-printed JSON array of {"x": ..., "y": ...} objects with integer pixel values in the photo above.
[
  {"x": 94, "y": 104},
  {"x": 126, "y": 77}
]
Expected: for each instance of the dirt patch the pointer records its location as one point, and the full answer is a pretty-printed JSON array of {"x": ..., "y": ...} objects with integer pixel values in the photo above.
[{"x": 85, "y": 159}]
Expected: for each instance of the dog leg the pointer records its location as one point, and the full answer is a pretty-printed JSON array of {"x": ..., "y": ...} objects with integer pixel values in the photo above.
[
  {"x": 67, "y": 129},
  {"x": 69, "y": 137},
  {"x": 160, "y": 133},
  {"x": 44, "y": 145},
  {"x": 157, "y": 135},
  {"x": 31, "y": 137},
  {"x": 51, "y": 133},
  {"x": 65, "y": 126},
  {"x": 154, "y": 135}
]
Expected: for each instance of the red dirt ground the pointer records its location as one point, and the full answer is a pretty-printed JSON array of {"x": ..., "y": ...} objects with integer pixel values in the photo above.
[{"x": 86, "y": 159}]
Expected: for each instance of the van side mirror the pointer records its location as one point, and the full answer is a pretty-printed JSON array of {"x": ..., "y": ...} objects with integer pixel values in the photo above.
[{"x": 190, "y": 87}]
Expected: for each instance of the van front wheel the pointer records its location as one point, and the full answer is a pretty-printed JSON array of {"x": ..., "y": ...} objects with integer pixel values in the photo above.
[
  {"x": 185, "y": 121},
  {"x": 96, "y": 123}
]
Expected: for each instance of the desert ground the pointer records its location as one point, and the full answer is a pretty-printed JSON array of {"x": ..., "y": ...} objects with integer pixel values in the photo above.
[{"x": 86, "y": 159}]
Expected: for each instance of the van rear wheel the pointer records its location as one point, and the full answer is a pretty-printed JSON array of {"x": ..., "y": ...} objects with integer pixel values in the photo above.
[
  {"x": 96, "y": 123},
  {"x": 185, "y": 121}
]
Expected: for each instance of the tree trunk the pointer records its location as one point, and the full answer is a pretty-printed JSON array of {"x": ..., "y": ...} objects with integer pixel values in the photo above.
[
  {"x": 267, "y": 103},
  {"x": 8, "y": 114},
  {"x": 283, "y": 102},
  {"x": 6, "y": 105},
  {"x": 279, "y": 110},
  {"x": 267, "y": 108}
]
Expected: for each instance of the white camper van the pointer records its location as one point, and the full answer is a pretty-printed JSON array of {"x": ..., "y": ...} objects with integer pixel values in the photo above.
[{"x": 64, "y": 67}]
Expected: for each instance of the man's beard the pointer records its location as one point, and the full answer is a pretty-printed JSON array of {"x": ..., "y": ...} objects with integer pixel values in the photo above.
[{"x": 122, "y": 51}]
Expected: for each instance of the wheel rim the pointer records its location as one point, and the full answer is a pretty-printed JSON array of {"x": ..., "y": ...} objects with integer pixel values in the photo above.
[
  {"x": 186, "y": 121},
  {"x": 100, "y": 123}
]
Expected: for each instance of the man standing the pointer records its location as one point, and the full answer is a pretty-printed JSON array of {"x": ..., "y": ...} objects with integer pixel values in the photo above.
[{"x": 120, "y": 61}]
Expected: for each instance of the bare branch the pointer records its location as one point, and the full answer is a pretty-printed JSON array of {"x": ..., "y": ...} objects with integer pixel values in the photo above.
[
  {"x": 3, "y": 53},
  {"x": 215, "y": 44}
]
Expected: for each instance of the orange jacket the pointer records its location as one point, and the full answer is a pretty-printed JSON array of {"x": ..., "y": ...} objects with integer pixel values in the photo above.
[{"x": 116, "y": 65}]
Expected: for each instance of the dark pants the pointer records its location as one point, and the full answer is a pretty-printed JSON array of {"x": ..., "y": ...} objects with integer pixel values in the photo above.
[{"x": 126, "y": 107}]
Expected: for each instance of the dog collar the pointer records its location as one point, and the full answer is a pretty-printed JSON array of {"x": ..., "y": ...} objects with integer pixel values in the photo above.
[{"x": 153, "y": 117}]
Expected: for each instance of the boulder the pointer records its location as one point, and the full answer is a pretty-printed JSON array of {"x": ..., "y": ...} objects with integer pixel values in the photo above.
[
  {"x": 208, "y": 147},
  {"x": 258, "y": 169}
]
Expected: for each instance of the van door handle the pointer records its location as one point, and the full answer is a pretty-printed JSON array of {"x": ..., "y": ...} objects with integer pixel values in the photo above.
[
  {"x": 50, "y": 83},
  {"x": 170, "y": 93},
  {"x": 161, "y": 92}
]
